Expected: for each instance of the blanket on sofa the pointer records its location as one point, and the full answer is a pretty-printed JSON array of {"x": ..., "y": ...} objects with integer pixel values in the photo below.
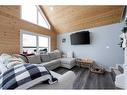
[{"x": 24, "y": 76}]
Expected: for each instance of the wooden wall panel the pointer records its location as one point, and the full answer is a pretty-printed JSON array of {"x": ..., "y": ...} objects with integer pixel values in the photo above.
[{"x": 10, "y": 25}]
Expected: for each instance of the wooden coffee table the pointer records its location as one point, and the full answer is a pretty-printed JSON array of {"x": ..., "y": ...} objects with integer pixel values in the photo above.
[{"x": 86, "y": 63}]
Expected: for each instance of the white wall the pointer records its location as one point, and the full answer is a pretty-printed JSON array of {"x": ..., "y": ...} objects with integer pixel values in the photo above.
[{"x": 103, "y": 48}]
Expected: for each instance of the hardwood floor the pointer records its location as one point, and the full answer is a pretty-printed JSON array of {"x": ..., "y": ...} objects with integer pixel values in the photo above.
[{"x": 88, "y": 80}]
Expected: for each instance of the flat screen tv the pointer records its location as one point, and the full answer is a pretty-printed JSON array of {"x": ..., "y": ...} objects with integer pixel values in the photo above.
[{"x": 80, "y": 38}]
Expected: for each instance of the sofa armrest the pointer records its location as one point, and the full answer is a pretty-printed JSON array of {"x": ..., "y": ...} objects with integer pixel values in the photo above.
[
  {"x": 65, "y": 81},
  {"x": 121, "y": 81}
]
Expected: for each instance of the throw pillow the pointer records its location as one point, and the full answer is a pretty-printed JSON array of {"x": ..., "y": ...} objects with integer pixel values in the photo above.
[
  {"x": 52, "y": 55},
  {"x": 70, "y": 54},
  {"x": 58, "y": 54},
  {"x": 35, "y": 59},
  {"x": 55, "y": 54},
  {"x": 45, "y": 57}
]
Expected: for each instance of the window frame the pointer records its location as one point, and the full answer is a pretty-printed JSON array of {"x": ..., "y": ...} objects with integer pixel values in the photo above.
[
  {"x": 37, "y": 39},
  {"x": 42, "y": 14}
]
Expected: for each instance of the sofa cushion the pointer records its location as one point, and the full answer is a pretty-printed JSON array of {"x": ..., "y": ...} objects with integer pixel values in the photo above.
[
  {"x": 67, "y": 60},
  {"x": 45, "y": 57},
  {"x": 52, "y": 64},
  {"x": 54, "y": 55},
  {"x": 58, "y": 54},
  {"x": 34, "y": 59}
]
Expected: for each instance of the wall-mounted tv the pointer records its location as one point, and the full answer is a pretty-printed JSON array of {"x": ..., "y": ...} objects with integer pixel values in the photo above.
[{"x": 80, "y": 38}]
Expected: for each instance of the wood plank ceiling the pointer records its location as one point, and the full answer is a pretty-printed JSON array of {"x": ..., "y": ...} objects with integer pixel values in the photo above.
[{"x": 74, "y": 18}]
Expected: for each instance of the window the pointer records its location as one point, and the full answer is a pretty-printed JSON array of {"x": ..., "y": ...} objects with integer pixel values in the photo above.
[
  {"x": 29, "y": 40},
  {"x": 29, "y": 13},
  {"x": 33, "y": 43},
  {"x": 41, "y": 21},
  {"x": 34, "y": 14},
  {"x": 43, "y": 43},
  {"x": 29, "y": 43}
]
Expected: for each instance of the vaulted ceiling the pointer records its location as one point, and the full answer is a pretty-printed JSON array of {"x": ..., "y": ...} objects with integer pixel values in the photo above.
[{"x": 74, "y": 18}]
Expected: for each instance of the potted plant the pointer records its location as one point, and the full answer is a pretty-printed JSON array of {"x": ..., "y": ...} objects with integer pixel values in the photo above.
[
  {"x": 124, "y": 30},
  {"x": 123, "y": 36}
]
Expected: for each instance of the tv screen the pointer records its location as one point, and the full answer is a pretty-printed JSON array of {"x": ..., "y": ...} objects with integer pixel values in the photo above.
[{"x": 80, "y": 38}]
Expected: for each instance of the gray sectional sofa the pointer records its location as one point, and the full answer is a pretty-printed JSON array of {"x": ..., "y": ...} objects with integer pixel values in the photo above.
[{"x": 50, "y": 60}]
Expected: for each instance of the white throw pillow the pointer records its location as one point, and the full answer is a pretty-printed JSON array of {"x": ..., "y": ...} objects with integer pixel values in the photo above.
[{"x": 70, "y": 54}]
